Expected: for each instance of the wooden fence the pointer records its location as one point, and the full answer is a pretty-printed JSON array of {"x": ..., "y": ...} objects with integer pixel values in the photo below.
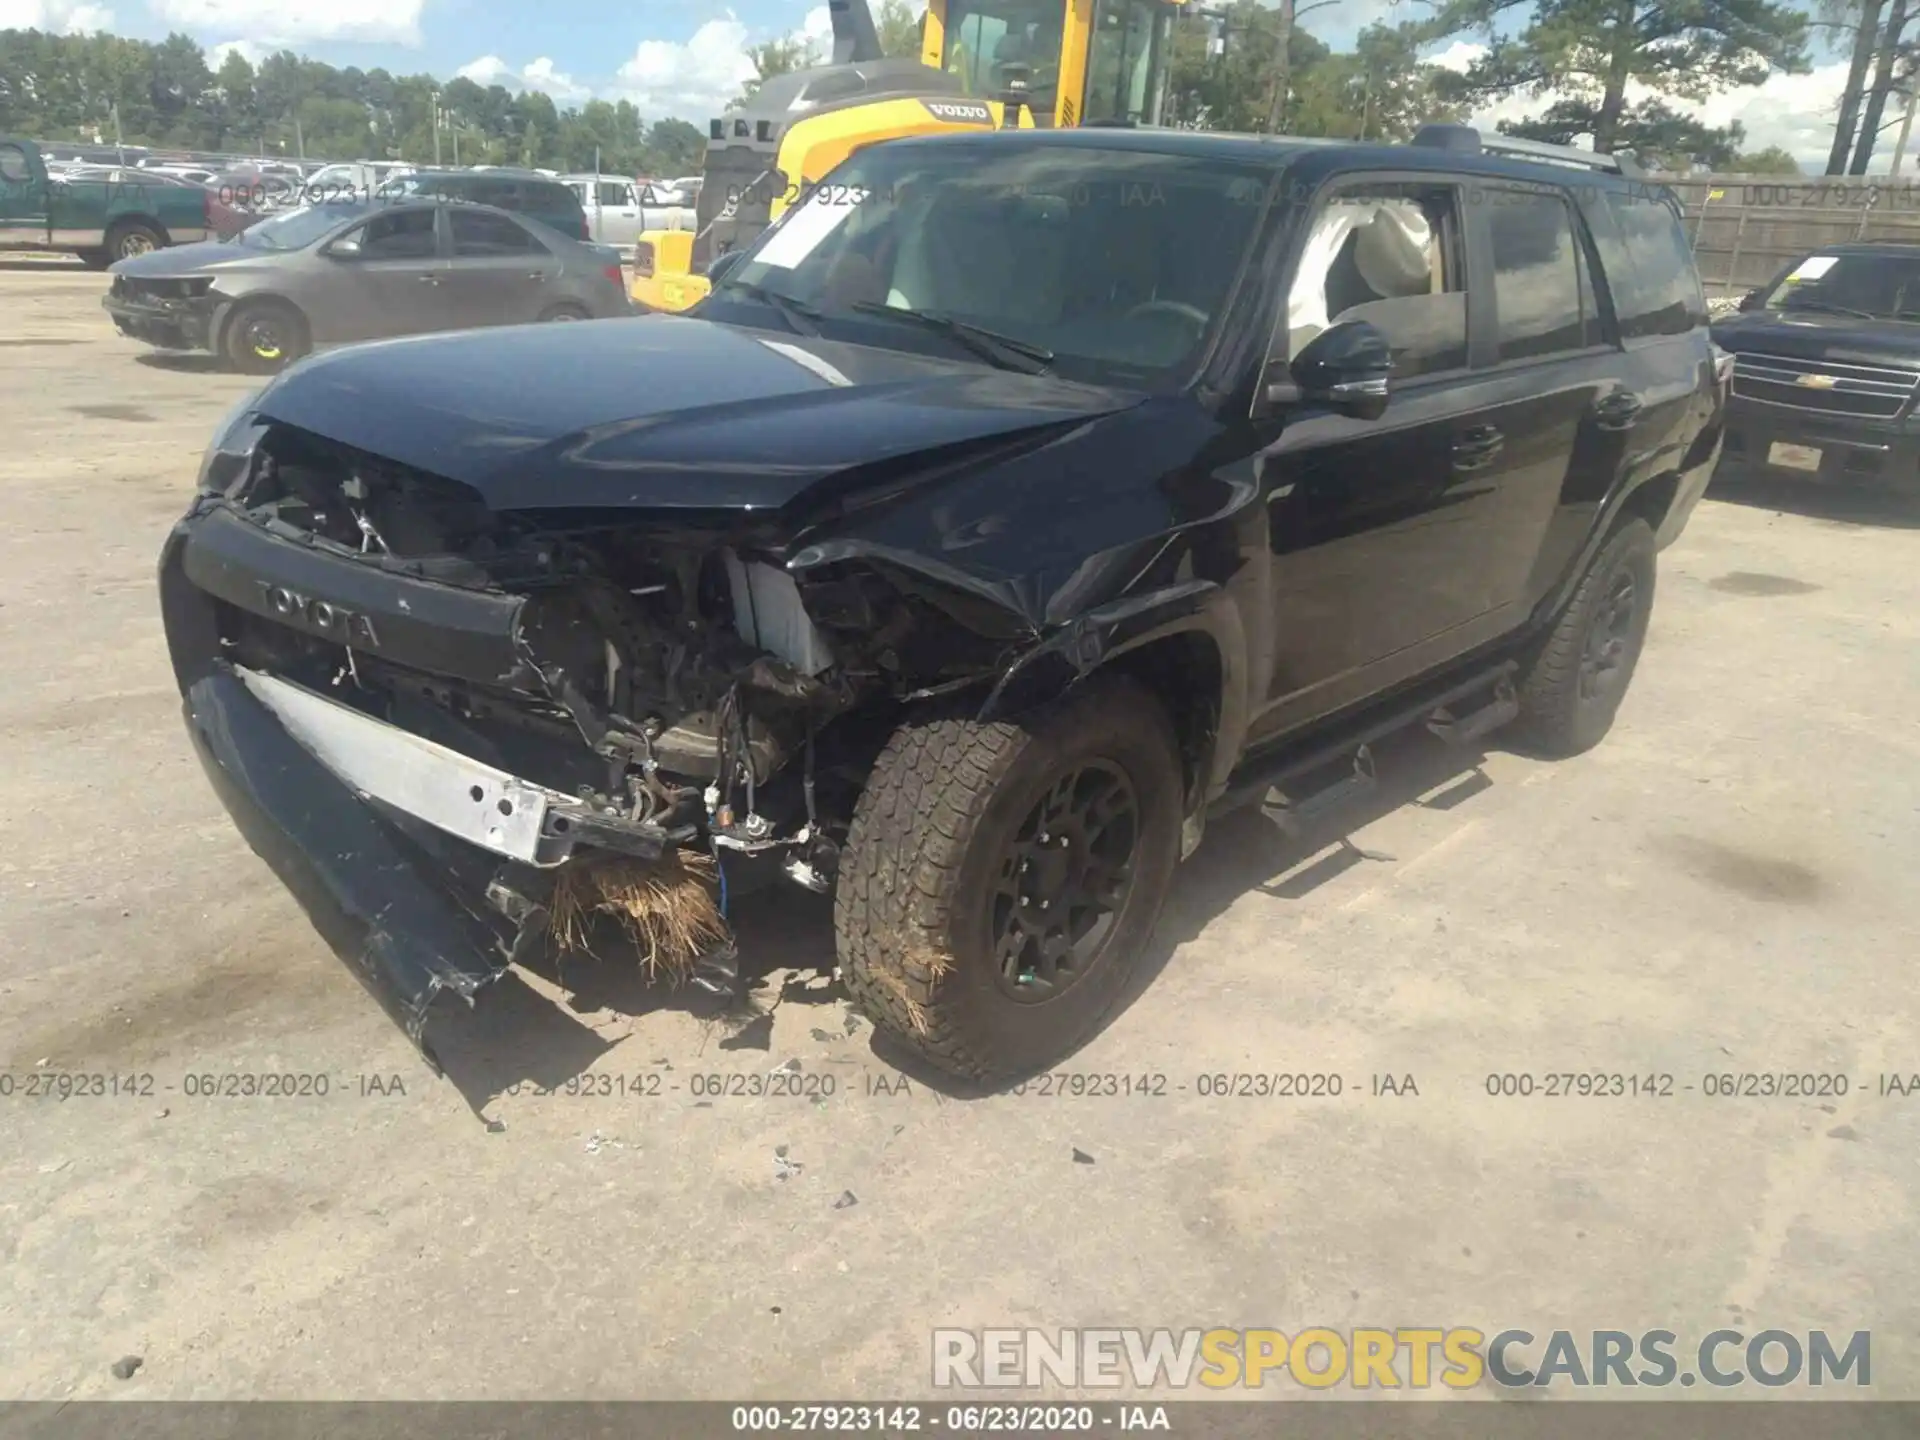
[{"x": 1745, "y": 228}]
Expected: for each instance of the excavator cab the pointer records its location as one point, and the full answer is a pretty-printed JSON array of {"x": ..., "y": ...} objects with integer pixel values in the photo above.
[
  {"x": 984, "y": 64},
  {"x": 1088, "y": 61}
]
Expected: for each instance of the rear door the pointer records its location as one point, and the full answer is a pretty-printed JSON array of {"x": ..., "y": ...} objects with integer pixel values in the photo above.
[
  {"x": 619, "y": 213},
  {"x": 499, "y": 273},
  {"x": 1555, "y": 414}
]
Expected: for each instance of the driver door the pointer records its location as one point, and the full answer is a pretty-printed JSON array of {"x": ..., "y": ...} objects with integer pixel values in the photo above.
[
  {"x": 394, "y": 283},
  {"x": 1376, "y": 527}
]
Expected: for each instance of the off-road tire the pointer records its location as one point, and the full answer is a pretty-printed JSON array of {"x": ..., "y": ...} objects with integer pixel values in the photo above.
[
  {"x": 1556, "y": 718},
  {"x": 128, "y": 238},
  {"x": 238, "y": 337},
  {"x": 913, "y": 899}
]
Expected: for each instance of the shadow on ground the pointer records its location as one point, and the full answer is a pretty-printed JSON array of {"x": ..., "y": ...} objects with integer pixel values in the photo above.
[{"x": 517, "y": 1036}]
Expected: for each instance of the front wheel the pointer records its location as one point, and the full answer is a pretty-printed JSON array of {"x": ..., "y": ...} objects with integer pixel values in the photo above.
[
  {"x": 1001, "y": 880},
  {"x": 263, "y": 337},
  {"x": 1572, "y": 688}
]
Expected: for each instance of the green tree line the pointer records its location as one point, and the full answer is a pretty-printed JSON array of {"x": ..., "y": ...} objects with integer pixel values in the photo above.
[{"x": 1238, "y": 65}]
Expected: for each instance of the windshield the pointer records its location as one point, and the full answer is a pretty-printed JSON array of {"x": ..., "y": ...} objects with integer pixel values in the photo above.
[
  {"x": 296, "y": 229},
  {"x": 1116, "y": 263},
  {"x": 986, "y": 37},
  {"x": 1880, "y": 287}
]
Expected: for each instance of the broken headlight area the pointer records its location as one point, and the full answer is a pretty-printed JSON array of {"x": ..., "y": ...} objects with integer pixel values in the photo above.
[{"x": 625, "y": 712}]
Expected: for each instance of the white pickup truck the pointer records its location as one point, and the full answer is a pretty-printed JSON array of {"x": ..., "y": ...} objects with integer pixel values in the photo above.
[{"x": 619, "y": 210}]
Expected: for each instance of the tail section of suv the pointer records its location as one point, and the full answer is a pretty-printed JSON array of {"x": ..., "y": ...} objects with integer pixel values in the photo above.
[{"x": 1018, "y": 502}]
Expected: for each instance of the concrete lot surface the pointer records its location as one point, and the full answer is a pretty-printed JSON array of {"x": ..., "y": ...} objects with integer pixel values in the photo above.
[{"x": 1726, "y": 886}]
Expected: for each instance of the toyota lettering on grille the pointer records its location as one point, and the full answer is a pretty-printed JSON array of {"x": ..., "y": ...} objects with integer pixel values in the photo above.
[{"x": 336, "y": 622}]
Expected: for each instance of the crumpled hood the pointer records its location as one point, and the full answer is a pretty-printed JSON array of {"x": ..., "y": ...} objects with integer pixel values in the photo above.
[
  {"x": 1843, "y": 339},
  {"x": 659, "y": 412},
  {"x": 198, "y": 258}
]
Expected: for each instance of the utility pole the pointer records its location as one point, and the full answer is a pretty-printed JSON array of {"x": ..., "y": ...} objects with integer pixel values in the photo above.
[
  {"x": 436, "y": 128},
  {"x": 1282, "y": 66}
]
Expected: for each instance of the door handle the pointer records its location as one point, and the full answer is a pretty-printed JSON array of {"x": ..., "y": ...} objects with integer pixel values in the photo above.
[
  {"x": 1619, "y": 410},
  {"x": 1477, "y": 448}
]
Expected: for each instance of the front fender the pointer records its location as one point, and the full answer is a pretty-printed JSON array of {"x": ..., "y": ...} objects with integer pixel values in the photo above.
[{"x": 1200, "y": 609}]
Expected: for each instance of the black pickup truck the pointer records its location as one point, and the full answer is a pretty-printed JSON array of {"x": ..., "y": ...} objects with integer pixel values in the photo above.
[
  {"x": 1017, "y": 503},
  {"x": 1826, "y": 370}
]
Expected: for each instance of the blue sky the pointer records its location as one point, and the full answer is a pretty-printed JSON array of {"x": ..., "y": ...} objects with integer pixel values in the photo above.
[
  {"x": 664, "y": 54},
  {"x": 687, "y": 57}
]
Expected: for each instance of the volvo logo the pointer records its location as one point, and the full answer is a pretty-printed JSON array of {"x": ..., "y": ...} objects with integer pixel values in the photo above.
[
  {"x": 336, "y": 622},
  {"x": 972, "y": 112}
]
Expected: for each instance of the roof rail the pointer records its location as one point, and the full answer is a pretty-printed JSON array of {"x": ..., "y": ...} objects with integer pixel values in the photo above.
[{"x": 1465, "y": 140}]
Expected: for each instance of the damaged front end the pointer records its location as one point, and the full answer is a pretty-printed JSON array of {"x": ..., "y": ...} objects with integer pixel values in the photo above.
[{"x": 458, "y": 734}]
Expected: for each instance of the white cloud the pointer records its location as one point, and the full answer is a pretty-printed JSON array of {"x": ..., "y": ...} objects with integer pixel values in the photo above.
[
  {"x": 277, "y": 22},
  {"x": 694, "y": 80},
  {"x": 538, "y": 75},
  {"x": 1794, "y": 112},
  {"x": 247, "y": 50},
  {"x": 61, "y": 17}
]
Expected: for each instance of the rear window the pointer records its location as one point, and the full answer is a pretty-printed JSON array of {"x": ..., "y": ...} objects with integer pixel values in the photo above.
[{"x": 1649, "y": 265}]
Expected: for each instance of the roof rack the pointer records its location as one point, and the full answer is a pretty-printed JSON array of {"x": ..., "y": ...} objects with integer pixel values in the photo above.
[{"x": 1466, "y": 140}]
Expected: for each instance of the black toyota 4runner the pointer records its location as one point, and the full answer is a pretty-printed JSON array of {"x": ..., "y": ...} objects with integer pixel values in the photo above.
[
  {"x": 1826, "y": 369},
  {"x": 1015, "y": 504}
]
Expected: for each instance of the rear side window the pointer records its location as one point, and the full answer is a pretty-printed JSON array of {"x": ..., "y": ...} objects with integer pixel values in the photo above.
[
  {"x": 478, "y": 233},
  {"x": 1540, "y": 287},
  {"x": 1649, "y": 264},
  {"x": 551, "y": 198}
]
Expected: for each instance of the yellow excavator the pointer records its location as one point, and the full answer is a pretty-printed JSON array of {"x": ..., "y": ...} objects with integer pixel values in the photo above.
[{"x": 984, "y": 64}]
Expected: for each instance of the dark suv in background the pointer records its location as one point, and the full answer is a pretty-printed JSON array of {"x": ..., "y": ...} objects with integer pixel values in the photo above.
[
  {"x": 526, "y": 192},
  {"x": 1826, "y": 369},
  {"x": 1016, "y": 503}
]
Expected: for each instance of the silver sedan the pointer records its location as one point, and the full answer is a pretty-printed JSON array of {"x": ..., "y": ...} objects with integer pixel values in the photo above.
[{"x": 338, "y": 273}]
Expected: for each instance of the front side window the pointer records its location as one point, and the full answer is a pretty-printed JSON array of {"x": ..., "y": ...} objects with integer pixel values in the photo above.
[
  {"x": 615, "y": 194},
  {"x": 1387, "y": 255},
  {"x": 398, "y": 235},
  {"x": 1537, "y": 275},
  {"x": 1119, "y": 263},
  {"x": 1880, "y": 287}
]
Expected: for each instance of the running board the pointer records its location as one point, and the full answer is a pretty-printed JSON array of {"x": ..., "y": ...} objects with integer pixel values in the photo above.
[
  {"x": 1502, "y": 709},
  {"x": 1433, "y": 708},
  {"x": 1297, "y": 817}
]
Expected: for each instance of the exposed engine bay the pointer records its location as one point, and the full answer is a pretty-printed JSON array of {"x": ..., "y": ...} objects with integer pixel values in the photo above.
[{"x": 658, "y": 689}]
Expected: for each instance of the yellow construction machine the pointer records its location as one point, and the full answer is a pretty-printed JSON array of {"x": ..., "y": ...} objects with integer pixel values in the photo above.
[{"x": 984, "y": 64}]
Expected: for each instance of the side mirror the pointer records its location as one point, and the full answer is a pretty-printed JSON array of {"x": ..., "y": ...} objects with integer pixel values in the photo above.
[
  {"x": 1753, "y": 300},
  {"x": 1346, "y": 368},
  {"x": 346, "y": 248},
  {"x": 721, "y": 264}
]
